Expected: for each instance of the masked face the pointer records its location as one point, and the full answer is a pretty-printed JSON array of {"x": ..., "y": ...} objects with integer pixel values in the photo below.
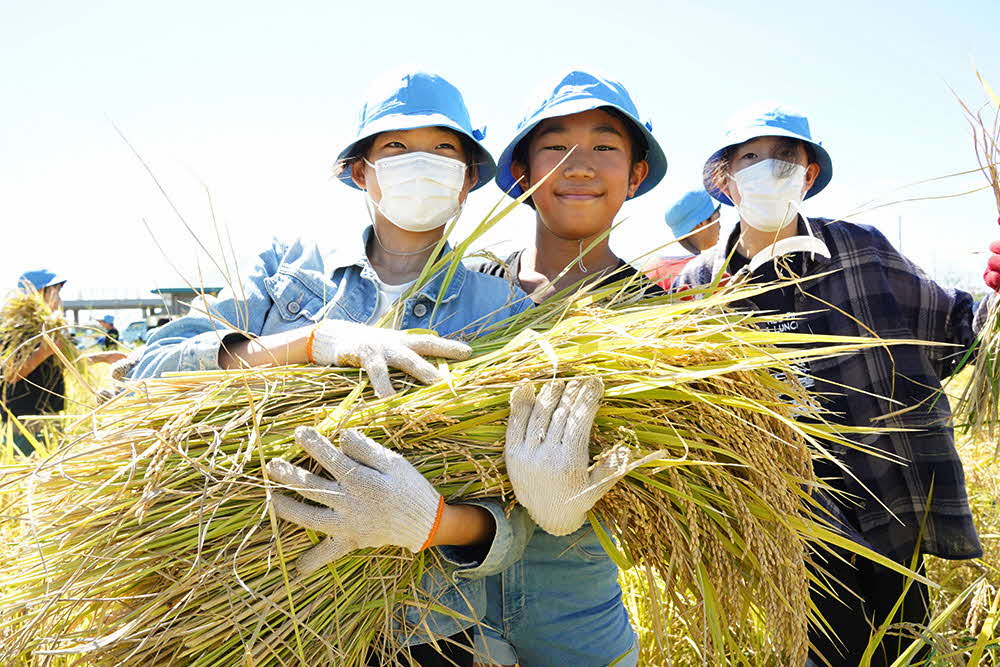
[
  {"x": 419, "y": 191},
  {"x": 770, "y": 193}
]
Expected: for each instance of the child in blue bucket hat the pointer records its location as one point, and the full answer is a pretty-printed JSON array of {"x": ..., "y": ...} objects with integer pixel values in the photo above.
[
  {"x": 349, "y": 302},
  {"x": 856, "y": 284},
  {"x": 615, "y": 158},
  {"x": 693, "y": 220},
  {"x": 561, "y": 603}
]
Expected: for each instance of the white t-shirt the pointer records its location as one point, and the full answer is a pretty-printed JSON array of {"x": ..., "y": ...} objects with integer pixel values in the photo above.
[{"x": 387, "y": 296}]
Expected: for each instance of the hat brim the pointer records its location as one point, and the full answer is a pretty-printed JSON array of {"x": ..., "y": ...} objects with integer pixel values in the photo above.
[
  {"x": 693, "y": 218},
  {"x": 485, "y": 165},
  {"x": 655, "y": 157},
  {"x": 822, "y": 158}
]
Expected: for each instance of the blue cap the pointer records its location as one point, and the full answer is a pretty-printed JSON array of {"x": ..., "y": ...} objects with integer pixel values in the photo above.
[
  {"x": 690, "y": 211},
  {"x": 575, "y": 93},
  {"x": 768, "y": 120},
  {"x": 108, "y": 319},
  {"x": 416, "y": 99},
  {"x": 39, "y": 279}
]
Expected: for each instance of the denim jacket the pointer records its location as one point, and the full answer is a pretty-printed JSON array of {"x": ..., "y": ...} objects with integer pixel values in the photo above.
[{"x": 294, "y": 285}]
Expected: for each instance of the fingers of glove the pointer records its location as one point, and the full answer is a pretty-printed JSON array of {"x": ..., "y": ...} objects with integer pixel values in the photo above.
[
  {"x": 434, "y": 346},
  {"x": 327, "y": 551},
  {"x": 541, "y": 413},
  {"x": 367, "y": 451},
  {"x": 562, "y": 415},
  {"x": 304, "y": 483},
  {"x": 993, "y": 263},
  {"x": 412, "y": 364},
  {"x": 586, "y": 402},
  {"x": 995, "y": 247},
  {"x": 992, "y": 279},
  {"x": 334, "y": 461},
  {"x": 522, "y": 400},
  {"x": 378, "y": 372},
  {"x": 320, "y": 519}
]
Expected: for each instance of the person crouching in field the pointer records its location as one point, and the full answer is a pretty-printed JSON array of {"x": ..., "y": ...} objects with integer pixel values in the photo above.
[
  {"x": 416, "y": 157},
  {"x": 561, "y": 603},
  {"x": 857, "y": 285}
]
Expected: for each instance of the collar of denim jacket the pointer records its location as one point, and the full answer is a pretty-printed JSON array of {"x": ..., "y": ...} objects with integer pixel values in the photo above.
[{"x": 356, "y": 254}]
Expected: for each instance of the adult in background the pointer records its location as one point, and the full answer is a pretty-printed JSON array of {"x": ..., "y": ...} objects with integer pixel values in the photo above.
[
  {"x": 693, "y": 220},
  {"x": 109, "y": 341},
  {"x": 856, "y": 284},
  {"x": 38, "y": 387}
]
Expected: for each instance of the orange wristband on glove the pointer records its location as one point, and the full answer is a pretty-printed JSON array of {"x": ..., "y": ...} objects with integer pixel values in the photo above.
[{"x": 437, "y": 524}]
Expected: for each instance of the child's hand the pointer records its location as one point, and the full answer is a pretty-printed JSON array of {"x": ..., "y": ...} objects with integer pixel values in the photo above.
[{"x": 992, "y": 274}]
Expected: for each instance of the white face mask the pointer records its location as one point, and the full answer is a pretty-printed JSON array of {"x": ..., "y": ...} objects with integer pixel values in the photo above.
[
  {"x": 770, "y": 193},
  {"x": 420, "y": 191}
]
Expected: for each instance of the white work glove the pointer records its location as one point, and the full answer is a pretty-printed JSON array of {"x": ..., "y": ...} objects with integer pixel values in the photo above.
[
  {"x": 342, "y": 343},
  {"x": 548, "y": 453},
  {"x": 378, "y": 498}
]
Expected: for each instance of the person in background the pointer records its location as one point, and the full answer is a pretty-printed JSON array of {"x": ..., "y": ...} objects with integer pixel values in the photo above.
[
  {"x": 109, "y": 340},
  {"x": 693, "y": 220},
  {"x": 854, "y": 284},
  {"x": 38, "y": 387}
]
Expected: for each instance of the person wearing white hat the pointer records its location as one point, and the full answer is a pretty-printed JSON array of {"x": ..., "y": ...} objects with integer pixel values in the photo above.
[
  {"x": 415, "y": 157},
  {"x": 856, "y": 284}
]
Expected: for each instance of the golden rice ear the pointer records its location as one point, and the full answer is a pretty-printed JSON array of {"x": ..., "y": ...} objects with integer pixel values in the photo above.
[{"x": 715, "y": 505}]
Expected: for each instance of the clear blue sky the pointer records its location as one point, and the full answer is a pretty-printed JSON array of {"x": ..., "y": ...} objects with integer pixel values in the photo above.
[{"x": 254, "y": 100}]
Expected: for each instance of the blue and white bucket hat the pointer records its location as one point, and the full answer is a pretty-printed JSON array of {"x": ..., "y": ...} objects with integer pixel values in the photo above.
[
  {"x": 691, "y": 210},
  {"x": 39, "y": 279},
  {"x": 575, "y": 93},
  {"x": 413, "y": 99},
  {"x": 768, "y": 120}
]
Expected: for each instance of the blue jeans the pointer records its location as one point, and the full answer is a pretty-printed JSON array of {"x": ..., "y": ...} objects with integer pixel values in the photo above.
[{"x": 559, "y": 605}]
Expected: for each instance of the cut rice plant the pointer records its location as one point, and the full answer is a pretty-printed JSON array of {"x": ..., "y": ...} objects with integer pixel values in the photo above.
[
  {"x": 978, "y": 410},
  {"x": 150, "y": 540}
]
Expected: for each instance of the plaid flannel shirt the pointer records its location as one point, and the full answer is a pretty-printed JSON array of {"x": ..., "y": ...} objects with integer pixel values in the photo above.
[{"x": 876, "y": 286}]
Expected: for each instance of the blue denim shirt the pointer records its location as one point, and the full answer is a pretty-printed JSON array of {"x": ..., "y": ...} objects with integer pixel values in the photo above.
[{"x": 294, "y": 285}]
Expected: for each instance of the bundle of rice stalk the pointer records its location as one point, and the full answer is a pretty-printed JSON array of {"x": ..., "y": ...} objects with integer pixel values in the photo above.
[
  {"x": 978, "y": 410},
  {"x": 26, "y": 321},
  {"x": 151, "y": 540}
]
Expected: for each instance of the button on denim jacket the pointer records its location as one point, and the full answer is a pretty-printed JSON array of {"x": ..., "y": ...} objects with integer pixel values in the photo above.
[{"x": 294, "y": 285}]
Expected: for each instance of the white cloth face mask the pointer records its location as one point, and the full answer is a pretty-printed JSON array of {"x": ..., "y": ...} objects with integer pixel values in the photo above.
[
  {"x": 420, "y": 191},
  {"x": 770, "y": 193}
]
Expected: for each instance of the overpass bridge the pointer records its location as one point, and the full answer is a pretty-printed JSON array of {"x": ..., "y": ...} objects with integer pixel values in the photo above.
[{"x": 169, "y": 302}]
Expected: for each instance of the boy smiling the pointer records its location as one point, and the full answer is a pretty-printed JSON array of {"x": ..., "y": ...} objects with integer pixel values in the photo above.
[
  {"x": 560, "y": 604},
  {"x": 614, "y": 158}
]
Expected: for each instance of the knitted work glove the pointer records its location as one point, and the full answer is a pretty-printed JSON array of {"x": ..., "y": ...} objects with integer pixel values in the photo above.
[
  {"x": 342, "y": 343},
  {"x": 547, "y": 453},
  {"x": 378, "y": 498}
]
